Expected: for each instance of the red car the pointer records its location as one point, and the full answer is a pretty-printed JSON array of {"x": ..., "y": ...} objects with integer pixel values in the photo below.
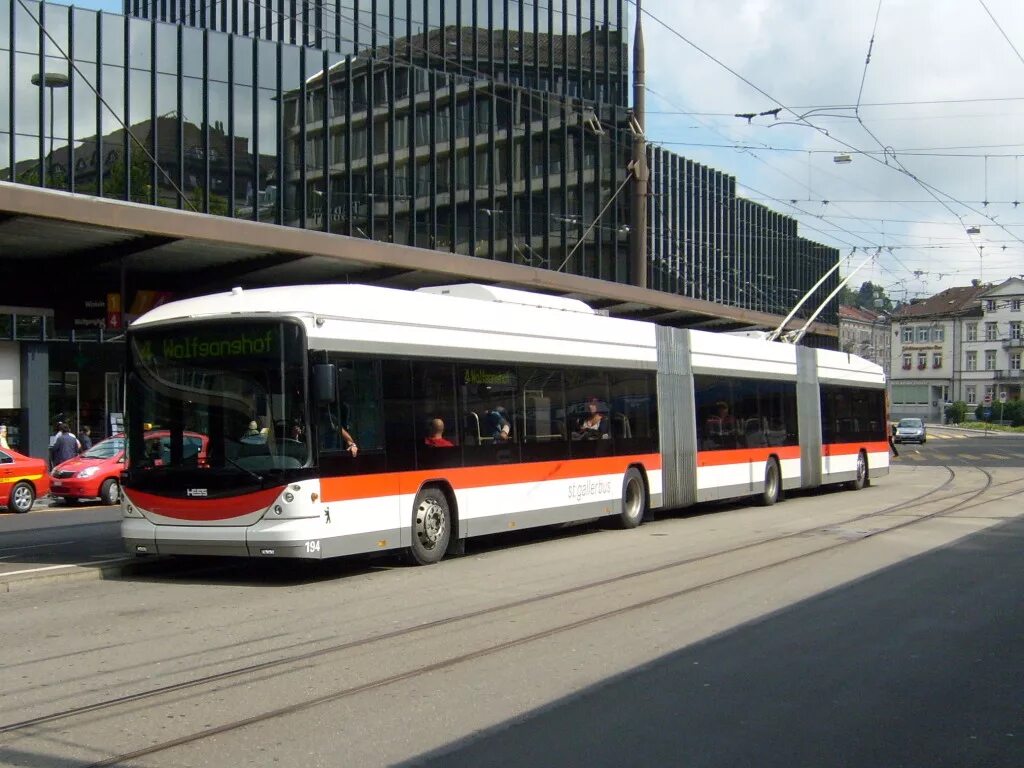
[
  {"x": 22, "y": 480},
  {"x": 96, "y": 473}
]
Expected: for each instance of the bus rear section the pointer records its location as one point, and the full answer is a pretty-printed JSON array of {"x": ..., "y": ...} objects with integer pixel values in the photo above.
[
  {"x": 744, "y": 417},
  {"x": 853, "y": 421}
]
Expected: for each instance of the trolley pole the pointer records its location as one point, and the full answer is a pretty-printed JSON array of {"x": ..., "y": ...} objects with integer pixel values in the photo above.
[{"x": 638, "y": 166}]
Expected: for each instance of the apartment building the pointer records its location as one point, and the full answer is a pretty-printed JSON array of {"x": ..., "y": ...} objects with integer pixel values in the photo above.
[
  {"x": 929, "y": 352},
  {"x": 866, "y": 333},
  {"x": 993, "y": 344}
]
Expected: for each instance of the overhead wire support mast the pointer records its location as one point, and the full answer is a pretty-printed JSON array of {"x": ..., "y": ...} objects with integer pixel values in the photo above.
[{"x": 638, "y": 165}]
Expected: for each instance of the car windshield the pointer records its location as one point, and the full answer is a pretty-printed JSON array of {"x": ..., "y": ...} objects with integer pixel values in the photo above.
[
  {"x": 106, "y": 449},
  {"x": 220, "y": 398},
  {"x": 910, "y": 422}
]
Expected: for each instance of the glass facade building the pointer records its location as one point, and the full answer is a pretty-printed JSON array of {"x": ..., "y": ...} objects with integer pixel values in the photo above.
[{"x": 491, "y": 128}]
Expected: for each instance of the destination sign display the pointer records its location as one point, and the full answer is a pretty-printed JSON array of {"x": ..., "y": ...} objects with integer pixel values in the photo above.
[{"x": 221, "y": 344}]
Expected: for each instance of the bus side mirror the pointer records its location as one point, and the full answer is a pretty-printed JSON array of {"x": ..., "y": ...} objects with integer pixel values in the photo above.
[{"x": 324, "y": 377}]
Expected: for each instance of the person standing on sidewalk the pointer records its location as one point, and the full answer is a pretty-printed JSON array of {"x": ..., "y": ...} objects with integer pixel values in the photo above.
[
  {"x": 65, "y": 447},
  {"x": 85, "y": 441}
]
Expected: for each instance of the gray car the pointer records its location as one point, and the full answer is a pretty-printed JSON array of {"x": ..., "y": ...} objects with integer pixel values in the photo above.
[{"x": 911, "y": 431}]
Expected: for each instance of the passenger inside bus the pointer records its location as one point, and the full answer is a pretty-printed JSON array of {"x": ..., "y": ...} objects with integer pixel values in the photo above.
[
  {"x": 436, "y": 438},
  {"x": 498, "y": 425},
  {"x": 253, "y": 434},
  {"x": 720, "y": 428},
  {"x": 333, "y": 434},
  {"x": 593, "y": 426}
]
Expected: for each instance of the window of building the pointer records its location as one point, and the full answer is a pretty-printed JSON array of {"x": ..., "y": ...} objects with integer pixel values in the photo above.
[
  {"x": 922, "y": 360},
  {"x": 990, "y": 359},
  {"x": 971, "y": 395},
  {"x": 1015, "y": 305},
  {"x": 907, "y": 333},
  {"x": 907, "y": 361},
  {"x": 938, "y": 333},
  {"x": 991, "y": 331},
  {"x": 1015, "y": 329},
  {"x": 936, "y": 360},
  {"x": 990, "y": 305},
  {"x": 972, "y": 332},
  {"x": 923, "y": 332},
  {"x": 971, "y": 361},
  {"x": 910, "y": 394},
  {"x": 1015, "y": 361}
]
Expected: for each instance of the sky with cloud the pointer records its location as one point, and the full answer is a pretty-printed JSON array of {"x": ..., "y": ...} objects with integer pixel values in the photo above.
[{"x": 932, "y": 125}]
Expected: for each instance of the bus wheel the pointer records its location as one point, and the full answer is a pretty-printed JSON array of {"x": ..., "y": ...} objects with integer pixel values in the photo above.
[
  {"x": 431, "y": 526},
  {"x": 772, "y": 484},
  {"x": 634, "y": 499},
  {"x": 862, "y": 473}
]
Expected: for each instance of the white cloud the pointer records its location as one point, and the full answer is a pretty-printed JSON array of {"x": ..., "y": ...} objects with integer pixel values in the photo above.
[{"x": 805, "y": 53}]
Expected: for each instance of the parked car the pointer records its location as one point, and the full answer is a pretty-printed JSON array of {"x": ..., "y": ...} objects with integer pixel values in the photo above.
[
  {"x": 22, "y": 480},
  {"x": 95, "y": 473},
  {"x": 911, "y": 431}
]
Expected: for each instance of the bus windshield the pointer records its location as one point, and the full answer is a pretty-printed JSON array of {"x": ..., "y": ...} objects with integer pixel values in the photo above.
[{"x": 224, "y": 399}]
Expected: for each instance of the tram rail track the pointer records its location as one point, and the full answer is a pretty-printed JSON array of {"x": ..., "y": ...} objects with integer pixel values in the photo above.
[{"x": 959, "y": 501}]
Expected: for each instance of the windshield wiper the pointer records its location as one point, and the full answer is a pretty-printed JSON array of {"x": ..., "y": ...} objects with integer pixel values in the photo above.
[{"x": 259, "y": 478}]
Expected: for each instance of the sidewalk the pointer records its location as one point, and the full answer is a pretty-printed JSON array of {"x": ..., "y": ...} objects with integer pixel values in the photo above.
[{"x": 971, "y": 431}]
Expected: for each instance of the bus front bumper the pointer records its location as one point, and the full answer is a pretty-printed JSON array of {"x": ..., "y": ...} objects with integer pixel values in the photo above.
[{"x": 142, "y": 537}]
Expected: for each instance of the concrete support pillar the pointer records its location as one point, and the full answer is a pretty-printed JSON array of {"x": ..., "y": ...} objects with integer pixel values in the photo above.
[{"x": 35, "y": 399}]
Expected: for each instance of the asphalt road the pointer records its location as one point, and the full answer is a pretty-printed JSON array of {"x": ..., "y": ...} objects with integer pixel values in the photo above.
[
  {"x": 48, "y": 536},
  {"x": 837, "y": 628},
  {"x": 965, "y": 448}
]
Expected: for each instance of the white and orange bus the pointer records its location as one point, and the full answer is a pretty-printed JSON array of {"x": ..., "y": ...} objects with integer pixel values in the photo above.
[{"x": 344, "y": 419}]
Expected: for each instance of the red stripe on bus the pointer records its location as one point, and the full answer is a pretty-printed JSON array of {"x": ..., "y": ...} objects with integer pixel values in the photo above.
[
  {"x": 846, "y": 449},
  {"x": 745, "y": 455},
  {"x": 206, "y": 509},
  {"x": 369, "y": 486}
]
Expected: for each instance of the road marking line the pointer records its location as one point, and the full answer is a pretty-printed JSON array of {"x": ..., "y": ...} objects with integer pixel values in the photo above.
[{"x": 55, "y": 567}]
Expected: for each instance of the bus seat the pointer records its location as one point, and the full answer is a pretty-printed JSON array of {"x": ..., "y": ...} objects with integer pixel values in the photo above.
[{"x": 471, "y": 426}]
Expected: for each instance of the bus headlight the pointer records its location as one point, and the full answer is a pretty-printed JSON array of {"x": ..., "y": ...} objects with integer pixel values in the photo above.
[{"x": 289, "y": 496}]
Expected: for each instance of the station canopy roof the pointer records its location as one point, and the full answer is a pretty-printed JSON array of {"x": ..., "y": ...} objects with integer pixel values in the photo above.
[{"x": 57, "y": 241}]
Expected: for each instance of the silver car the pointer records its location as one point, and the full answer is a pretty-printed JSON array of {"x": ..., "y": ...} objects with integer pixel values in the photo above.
[{"x": 911, "y": 431}]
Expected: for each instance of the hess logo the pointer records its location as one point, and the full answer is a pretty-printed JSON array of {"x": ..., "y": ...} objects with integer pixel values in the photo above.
[{"x": 196, "y": 492}]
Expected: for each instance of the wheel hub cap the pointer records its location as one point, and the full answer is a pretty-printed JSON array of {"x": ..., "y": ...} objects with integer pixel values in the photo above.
[{"x": 430, "y": 523}]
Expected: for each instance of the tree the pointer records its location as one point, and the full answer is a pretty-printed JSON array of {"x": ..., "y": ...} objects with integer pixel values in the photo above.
[
  {"x": 956, "y": 412},
  {"x": 869, "y": 296}
]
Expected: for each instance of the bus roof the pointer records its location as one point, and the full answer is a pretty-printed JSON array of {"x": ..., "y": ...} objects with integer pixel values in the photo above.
[{"x": 494, "y": 325}]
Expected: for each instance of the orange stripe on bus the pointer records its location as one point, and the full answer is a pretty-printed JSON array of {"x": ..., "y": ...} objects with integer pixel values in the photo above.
[
  {"x": 369, "y": 486},
  {"x": 846, "y": 449},
  {"x": 745, "y": 455}
]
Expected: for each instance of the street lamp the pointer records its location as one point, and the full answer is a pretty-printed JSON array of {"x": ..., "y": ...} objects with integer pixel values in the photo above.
[{"x": 51, "y": 80}]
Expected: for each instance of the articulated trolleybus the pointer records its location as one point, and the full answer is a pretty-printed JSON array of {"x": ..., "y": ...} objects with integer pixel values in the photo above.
[{"x": 344, "y": 419}]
